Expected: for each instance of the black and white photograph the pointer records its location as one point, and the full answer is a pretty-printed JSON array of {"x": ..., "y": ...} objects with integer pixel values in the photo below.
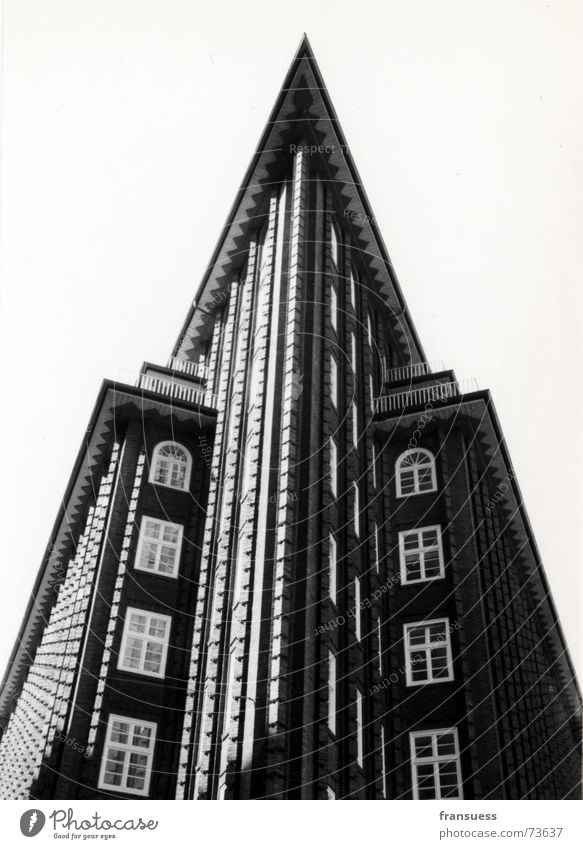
[{"x": 291, "y": 411}]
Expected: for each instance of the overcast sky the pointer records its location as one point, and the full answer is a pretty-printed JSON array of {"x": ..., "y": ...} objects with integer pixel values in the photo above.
[{"x": 126, "y": 130}]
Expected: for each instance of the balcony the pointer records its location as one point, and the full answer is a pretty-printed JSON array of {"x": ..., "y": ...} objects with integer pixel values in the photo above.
[
  {"x": 178, "y": 391},
  {"x": 413, "y": 370},
  {"x": 435, "y": 394},
  {"x": 198, "y": 370}
]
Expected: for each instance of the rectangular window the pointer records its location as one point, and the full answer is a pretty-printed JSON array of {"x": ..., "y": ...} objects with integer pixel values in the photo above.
[
  {"x": 332, "y": 692},
  {"x": 334, "y": 244},
  {"x": 356, "y": 509},
  {"x": 144, "y": 643},
  {"x": 357, "y": 611},
  {"x": 354, "y": 424},
  {"x": 435, "y": 764},
  {"x": 374, "y": 464},
  {"x": 428, "y": 652},
  {"x": 359, "y": 730},
  {"x": 369, "y": 330},
  {"x": 333, "y": 467},
  {"x": 352, "y": 289},
  {"x": 333, "y": 308},
  {"x": 330, "y": 794},
  {"x": 159, "y": 547},
  {"x": 128, "y": 753},
  {"x": 332, "y": 558},
  {"x": 377, "y": 553},
  {"x": 353, "y": 354},
  {"x": 421, "y": 554},
  {"x": 380, "y": 645},
  {"x": 334, "y": 381},
  {"x": 373, "y": 400},
  {"x": 383, "y": 762}
]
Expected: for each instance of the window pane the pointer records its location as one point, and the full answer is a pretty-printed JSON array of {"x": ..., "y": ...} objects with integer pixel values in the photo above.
[
  {"x": 416, "y": 636},
  {"x": 167, "y": 559},
  {"x": 170, "y": 534},
  {"x": 133, "y": 653},
  {"x": 119, "y": 732},
  {"x": 152, "y": 529},
  {"x": 445, "y": 744},
  {"x": 423, "y": 747},
  {"x": 410, "y": 541},
  {"x": 153, "y": 657},
  {"x": 114, "y": 767},
  {"x": 148, "y": 556},
  {"x": 413, "y": 572},
  {"x": 425, "y": 481},
  {"x": 426, "y": 781},
  {"x": 407, "y": 482},
  {"x": 137, "y": 768},
  {"x": 157, "y": 628},
  {"x": 141, "y": 736},
  {"x": 138, "y": 623},
  {"x": 429, "y": 538}
]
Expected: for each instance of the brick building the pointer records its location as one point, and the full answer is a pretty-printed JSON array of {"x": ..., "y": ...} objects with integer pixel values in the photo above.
[{"x": 294, "y": 562}]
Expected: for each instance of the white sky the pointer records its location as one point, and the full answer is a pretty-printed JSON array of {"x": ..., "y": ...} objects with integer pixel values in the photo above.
[{"x": 126, "y": 129}]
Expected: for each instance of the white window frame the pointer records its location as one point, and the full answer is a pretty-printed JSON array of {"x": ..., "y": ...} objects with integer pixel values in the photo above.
[
  {"x": 334, "y": 307},
  {"x": 415, "y": 468},
  {"x": 353, "y": 354},
  {"x": 384, "y": 761},
  {"x": 380, "y": 645},
  {"x": 334, "y": 381},
  {"x": 377, "y": 547},
  {"x": 127, "y": 635},
  {"x": 129, "y": 749},
  {"x": 374, "y": 463},
  {"x": 143, "y": 539},
  {"x": 154, "y": 465},
  {"x": 359, "y": 728},
  {"x": 369, "y": 330},
  {"x": 332, "y": 563},
  {"x": 334, "y": 242},
  {"x": 356, "y": 508},
  {"x": 353, "y": 279},
  {"x": 427, "y": 647},
  {"x": 331, "y": 691},
  {"x": 435, "y": 759},
  {"x": 333, "y": 467},
  {"x": 355, "y": 433},
  {"x": 421, "y": 551},
  {"x": 357, "y": 610}
]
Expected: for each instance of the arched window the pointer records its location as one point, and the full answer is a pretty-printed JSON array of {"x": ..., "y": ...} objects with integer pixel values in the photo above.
[
  {"x": 415, "y": 471},
  {"x": 171, "y": 465}
]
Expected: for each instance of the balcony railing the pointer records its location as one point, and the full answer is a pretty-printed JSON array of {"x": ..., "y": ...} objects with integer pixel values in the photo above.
[
  {"x": 176, "y": 390},
  {"x": 437, "y": 393},
  {"x": 395, "y": 375},
  {"x": 186, "y": 367}
]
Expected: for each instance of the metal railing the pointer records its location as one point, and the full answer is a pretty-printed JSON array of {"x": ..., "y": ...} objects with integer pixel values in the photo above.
[
  {"x": 176, "y": 390},
  {"x": 394, "y": 375},
  {"x": 439, "y": 392},
  {"x": 186, "y": 367}
]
